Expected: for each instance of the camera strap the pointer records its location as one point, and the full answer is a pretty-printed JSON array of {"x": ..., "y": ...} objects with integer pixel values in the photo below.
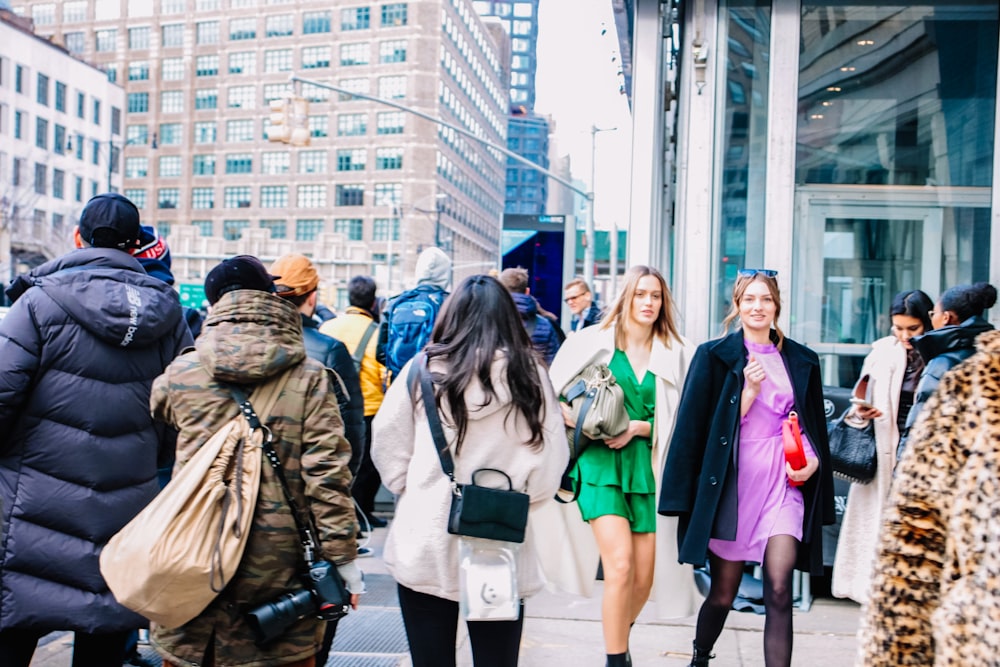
[{"x": 306, "y": 532}]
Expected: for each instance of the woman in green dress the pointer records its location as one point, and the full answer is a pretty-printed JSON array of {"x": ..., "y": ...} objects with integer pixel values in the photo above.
[{"x": 639, "y": 341}]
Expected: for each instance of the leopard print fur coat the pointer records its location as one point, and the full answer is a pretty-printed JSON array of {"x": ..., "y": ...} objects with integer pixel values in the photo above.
[{"x": 935, "y": 597}]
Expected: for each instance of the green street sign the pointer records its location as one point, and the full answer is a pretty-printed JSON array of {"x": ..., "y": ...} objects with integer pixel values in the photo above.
[{"x": 192, "y": 294}]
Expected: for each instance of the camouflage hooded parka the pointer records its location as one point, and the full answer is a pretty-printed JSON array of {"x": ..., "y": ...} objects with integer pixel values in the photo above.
[{"x": 250, "y": 337}]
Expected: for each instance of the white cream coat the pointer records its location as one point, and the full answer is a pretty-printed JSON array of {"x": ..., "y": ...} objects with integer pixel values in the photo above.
[
  {"x": 419, "y": 552},
  {"x": 860, "y": 530},
  {"x": 566, "y": 545}
]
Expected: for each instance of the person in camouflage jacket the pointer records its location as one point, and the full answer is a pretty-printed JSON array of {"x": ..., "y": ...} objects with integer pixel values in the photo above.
[{"x": 249, "y": 337}]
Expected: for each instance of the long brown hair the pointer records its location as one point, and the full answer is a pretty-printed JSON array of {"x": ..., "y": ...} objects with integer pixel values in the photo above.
[
  {"x": 740, "y": 288},
  {"x": 665, "y": 326}
]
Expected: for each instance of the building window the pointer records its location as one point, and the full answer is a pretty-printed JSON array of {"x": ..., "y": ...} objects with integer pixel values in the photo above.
[
  {"x": 315, "y": 22},
  {"x": 138, "y": 70},
  {"x": 350, "y": 195},
  {"x": 389, "y": 194},
  {"x": 241, "y": 97},
  {"x": 138, "y": 38},
  {"x": 172, "y": 101},
  {"x": 58, "y": 183},
  {"x": 40, "y": 178},
  {"x": 278, "y": 60},
  {"x": 274, "y": 196},
  {"x": 240, "y": 29},
  {"x": 172, "y": 69},
  {"x": 18, "y": 124},
  {"x": 381, "y": 227},
  {"x": 135, "y": 195},
  {"x": 206, "y": 98},
  {"x": 315, "y": 93},
  {"x": 202, "y": 198},
  {"x": 95, "y": 151},
  {"x": 205, "y": 227},
  {"x": 355, "y": 18},
  {"x": 205, "y": 132},
  {"x": 274, "y": 163},
  {"x": 75, "y": 11},
  {"x": 352, "y": 228},
  {"x": 389, "y": 158},
  {"x": 352, "y": 124},
  {"x": 390, "y": 122},
  {"x": 76, "y": 42},
  {"x": 42, "y": 93},
  {"x": 136, "y": 135},
  {"x": 172, "y": 7},
  {"x": 351, "y": 159},
  {"x": 312, "y": 196},
  {"x": 42, "y": 133},
  {"x": 203, "y": 165},
  {"x": 168, "y": 198},
  {"x": 232, "y": 230},
  {"x": 315, "y": 57},
  {"x": 308, "y": 230},
  {"x": 354, "y": 86},
  {"x": 281, "y": 25},
  {"x": 44, "y": 14},
  {"x": 278, "y": 228},
  {"x": 136, "y": 167},
  {"x": 393, "y": 51},
  {"x": 172, "y": 35},
  {"x": 244, "y": 62},
  {"x": 276, "y": 91},
  {"x": 392, "y": 87},
  {"x": 106, "y": 40},
  {"x": 207, "y": 32},
  {"x": 170, "y": 134},
  {"x": 138, "y": 102},
  {"x": 207, "y": 66},
  {"x": 354, "y": 54},
  {"x": 237, "y": 196},
  {"x": 60, "y": 102},
  {"x": 319, "y": 126},
  {"x": 239, "y": 130},
  {"x": 170, "y": 166},
  {"x": 239, "y": 163},
  {"x": 394, "y": 14},
  {"x": 59, "y": 139},
  {"x": 312, "y": 162}
]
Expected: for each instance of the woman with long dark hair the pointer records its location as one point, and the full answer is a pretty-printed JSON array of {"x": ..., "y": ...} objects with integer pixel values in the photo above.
[
  {"x": 639, "y": 341},
  {"x": 498, "y": 411},
  {"x": 750, "y": 505},
  {"x": 892, "y": 368}
]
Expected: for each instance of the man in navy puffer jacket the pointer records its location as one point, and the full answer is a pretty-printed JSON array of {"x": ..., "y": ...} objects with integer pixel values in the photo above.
[
  {"x": 79, "y": 350},
  {"x": 545, "y": 335}
]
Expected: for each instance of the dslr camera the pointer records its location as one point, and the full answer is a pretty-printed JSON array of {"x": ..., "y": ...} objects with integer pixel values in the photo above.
[{"x": 324, "y": 596}]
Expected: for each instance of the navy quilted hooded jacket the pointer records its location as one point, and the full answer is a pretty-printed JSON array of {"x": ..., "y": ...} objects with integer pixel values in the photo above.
[{"x": 79, "y": 351}]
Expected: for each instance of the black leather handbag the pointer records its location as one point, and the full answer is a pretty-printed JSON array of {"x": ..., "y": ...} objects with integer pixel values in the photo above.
[
  {"x": 852, "y": 449},
  {"x": 476, "y": 510}
]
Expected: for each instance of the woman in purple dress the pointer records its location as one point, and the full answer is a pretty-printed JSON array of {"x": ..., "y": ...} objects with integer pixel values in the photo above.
[{"x": 726, "y": 476}]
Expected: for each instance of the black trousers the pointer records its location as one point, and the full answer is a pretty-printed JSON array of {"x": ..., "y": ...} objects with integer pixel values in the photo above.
[
  {"x": 432, "y": 627},
  {"x": 97, "y": 650},
  {"x": 367, "y": 481}
]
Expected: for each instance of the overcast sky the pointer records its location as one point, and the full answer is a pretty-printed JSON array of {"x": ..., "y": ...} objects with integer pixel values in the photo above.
[{"x": 577, "y": 84}]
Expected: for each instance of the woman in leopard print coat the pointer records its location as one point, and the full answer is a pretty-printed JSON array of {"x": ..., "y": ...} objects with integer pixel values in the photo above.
[{"x": 935, "y": 597}]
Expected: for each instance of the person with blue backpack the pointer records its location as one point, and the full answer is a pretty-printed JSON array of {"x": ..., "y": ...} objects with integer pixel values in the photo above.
[{"x": 409, "y": 318}]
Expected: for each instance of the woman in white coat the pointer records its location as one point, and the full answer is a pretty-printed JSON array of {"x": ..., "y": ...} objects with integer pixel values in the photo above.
[
  {"x": 619, "y": 479},
  {"x": 893, "y": 368}
]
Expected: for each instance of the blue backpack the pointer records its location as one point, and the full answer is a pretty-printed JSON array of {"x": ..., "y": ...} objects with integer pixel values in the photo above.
[{"x": 411, "y": 318}]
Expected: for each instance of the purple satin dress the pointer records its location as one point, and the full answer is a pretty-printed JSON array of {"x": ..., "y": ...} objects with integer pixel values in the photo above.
[{"x": 767, "y": 504}]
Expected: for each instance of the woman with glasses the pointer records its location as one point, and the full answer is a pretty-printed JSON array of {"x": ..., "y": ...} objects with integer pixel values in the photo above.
[
  {"x": 639, "y": 341},
  {"x": 957, "y": 318},
  {"x": 893, "y": 368},
  {"x": 726, "y": 475}
]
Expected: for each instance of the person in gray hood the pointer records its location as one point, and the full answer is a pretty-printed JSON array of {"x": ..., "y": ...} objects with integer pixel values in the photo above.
[{"x": 79, "y": 350}]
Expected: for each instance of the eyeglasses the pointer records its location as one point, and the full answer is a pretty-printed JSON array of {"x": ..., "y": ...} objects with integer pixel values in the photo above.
[
  {"x": 573, "y": 297},
  {"x": 752, "y": 273}
]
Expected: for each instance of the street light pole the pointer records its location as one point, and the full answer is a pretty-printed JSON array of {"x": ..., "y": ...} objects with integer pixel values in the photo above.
[{"x": 588, "y": 251}]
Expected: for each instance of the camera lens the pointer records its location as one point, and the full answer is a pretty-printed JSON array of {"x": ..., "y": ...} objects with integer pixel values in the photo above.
[{"x": 271, "y": 619}]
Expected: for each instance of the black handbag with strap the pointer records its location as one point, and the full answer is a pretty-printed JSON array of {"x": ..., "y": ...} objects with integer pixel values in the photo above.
[
  {"x": 853, "y": 454},
  {"x": 476, "y": 510}
]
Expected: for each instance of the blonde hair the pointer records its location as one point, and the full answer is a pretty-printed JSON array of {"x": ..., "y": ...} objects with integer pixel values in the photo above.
[
  {"x": 740, "y": 288},
  {"x": 665, "y": 326}
]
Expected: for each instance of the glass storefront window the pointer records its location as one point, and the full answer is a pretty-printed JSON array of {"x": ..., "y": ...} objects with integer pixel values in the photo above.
[{"x": 743, "y": 157}]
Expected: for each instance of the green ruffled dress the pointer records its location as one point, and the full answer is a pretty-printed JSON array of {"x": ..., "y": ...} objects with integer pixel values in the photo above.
[{"x": 621, "y": 481}]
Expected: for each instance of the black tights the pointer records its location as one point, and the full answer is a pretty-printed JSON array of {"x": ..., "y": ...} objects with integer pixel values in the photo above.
[{"x": 779, "y": 561}]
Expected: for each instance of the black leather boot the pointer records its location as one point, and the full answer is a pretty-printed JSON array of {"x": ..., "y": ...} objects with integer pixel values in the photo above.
[{"x": 700, "y": 657}]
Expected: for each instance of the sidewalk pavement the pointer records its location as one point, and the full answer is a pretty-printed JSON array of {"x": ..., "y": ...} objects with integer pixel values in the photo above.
[{"x": 561, "y": 630}]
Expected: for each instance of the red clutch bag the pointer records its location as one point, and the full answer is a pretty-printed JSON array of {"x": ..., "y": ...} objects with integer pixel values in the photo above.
[{"x": 791, "y": 436}]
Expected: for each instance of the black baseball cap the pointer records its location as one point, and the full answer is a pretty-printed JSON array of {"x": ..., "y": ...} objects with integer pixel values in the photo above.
[
  {"x": 239, "y": 272},
  {"x": 110, "y": 220}
]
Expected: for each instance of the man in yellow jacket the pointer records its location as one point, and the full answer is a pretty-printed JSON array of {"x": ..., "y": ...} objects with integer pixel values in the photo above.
[{"x": 357, "y": 328}]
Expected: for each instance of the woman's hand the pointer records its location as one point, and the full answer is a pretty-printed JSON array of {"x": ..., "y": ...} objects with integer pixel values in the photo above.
[
  {"x": 812, "y": 465},
  {"x": 568, "y": 417},
  {"x": 635, "y": 428},
  {"x": 867, "y": 413},
  {"x": 355, "y": 598},
  {"x": 754, "y": 374}
]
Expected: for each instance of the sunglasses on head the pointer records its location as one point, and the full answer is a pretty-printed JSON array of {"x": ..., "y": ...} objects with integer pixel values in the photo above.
[{"x": 752, "y": 273}]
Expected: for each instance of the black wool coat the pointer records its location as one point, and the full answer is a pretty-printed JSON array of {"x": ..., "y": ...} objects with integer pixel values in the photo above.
[{"x": 700, "y": 474}]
